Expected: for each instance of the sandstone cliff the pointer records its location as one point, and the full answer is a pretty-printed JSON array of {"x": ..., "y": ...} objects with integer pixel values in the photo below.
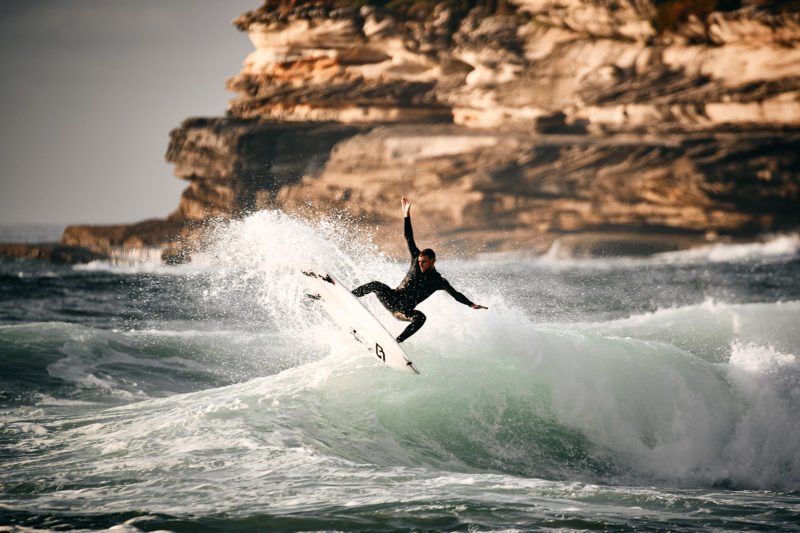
[
  {"x": 597, "y": 62},
  {"x": 510, "y": 124}
]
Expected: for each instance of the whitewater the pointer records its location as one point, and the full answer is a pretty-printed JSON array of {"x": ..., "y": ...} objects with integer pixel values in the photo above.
[{"x": 653, "y": 394}]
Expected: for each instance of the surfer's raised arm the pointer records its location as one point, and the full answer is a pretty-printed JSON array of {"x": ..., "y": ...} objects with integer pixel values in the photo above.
[
  {"x": 407, "y": 231},
  {"x": 426, "y": 259}
]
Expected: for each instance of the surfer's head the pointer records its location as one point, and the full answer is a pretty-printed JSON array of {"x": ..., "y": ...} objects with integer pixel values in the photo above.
[{"x": 426, "y": 259}]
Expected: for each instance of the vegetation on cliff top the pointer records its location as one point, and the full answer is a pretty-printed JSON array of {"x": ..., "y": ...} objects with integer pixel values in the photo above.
[
  {"x": 672, "y": 14},
  {"x": 402, "y": 9},
  {"x": 668, "y": 15}
]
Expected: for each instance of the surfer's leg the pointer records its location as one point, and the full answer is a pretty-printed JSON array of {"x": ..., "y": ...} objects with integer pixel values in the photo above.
[
  {"x": 390, "y": 300},
  {"x": 386, "y": 295},
  {"x": 372, "y": 286},
  {"x": 417, "y": 320}
]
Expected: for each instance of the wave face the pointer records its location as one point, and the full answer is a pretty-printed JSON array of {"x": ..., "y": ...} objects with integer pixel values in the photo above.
[{"x": 215, "y": 395}]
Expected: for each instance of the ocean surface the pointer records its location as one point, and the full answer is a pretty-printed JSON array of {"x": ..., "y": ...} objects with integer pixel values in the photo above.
[{"x": 657, "y": 394}]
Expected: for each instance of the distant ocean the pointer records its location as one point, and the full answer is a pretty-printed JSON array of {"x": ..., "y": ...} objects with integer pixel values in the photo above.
[
  {"x": 30, "y": 233},
  {"x": 657, "y": 394}
]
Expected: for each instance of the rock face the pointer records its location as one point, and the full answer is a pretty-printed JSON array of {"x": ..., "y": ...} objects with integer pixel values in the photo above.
[
  {"x": 231, "y": 162},
  {"x": 510, "y": 128}
]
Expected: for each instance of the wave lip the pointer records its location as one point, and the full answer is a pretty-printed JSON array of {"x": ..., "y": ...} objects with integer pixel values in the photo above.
[{"x": 776, "y": 247}]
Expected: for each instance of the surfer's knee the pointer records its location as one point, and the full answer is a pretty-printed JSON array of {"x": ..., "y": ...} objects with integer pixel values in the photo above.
[{"x": 400, "y": 315}]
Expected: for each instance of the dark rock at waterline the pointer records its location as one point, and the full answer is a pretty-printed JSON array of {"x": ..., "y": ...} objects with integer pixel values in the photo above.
[
  {"x": 52, "y": 252},
  {"x": 153, "y": 232}
]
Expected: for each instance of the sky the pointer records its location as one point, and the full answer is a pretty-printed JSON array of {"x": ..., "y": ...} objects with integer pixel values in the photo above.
[{"x": 89, "y": 91}]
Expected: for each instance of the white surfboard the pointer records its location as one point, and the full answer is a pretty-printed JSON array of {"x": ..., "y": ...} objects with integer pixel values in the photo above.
[{"x": 350, "y": 314}]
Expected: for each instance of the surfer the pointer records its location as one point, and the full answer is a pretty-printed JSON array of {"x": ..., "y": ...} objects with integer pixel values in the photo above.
[{"x": 421, "y": 281}]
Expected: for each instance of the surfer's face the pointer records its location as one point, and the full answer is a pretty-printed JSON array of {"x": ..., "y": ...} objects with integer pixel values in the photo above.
[{"x": 425, "y": 263}]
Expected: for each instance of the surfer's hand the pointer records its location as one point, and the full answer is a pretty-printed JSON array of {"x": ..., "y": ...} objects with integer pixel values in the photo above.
[
  {"x": 406, "y": 205},
  {"x": 476, "y": 306}
]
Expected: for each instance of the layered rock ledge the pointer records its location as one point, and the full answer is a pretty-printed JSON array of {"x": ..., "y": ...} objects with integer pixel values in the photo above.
[{"x": 486, "y": 191}]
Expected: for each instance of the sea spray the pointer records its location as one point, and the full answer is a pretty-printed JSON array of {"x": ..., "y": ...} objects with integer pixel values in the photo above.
[
  {"x": 256, "y": 264},
  {"x": 763, "y": 450}
]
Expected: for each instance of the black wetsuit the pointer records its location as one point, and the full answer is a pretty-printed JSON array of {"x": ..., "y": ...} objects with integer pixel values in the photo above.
[{"x": 414, "y": 288}]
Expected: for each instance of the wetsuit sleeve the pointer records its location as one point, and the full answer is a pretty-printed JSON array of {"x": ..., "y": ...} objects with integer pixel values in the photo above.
[
  {"x": 409, "y": 234},
  {"x": 455, "y": 294}
]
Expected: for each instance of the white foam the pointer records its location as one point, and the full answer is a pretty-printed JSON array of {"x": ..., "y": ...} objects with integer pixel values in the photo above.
[
  {"x": 763, "y": 447},
  {"x": 769, "y": 248},
  {"x": 127, "y": 260},
  {"x": 35, "y": 429},
  {"x": 776, "y": 247},
  {"x": 760, "y": 359},
  {"x": 46, "y": 400}
]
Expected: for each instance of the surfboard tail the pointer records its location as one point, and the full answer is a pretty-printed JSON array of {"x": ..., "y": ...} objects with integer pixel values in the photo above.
[{"x": 345, "y": 309}]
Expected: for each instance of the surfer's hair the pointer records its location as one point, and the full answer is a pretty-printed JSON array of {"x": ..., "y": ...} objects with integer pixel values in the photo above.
[{"x": 427, "y": 252}]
